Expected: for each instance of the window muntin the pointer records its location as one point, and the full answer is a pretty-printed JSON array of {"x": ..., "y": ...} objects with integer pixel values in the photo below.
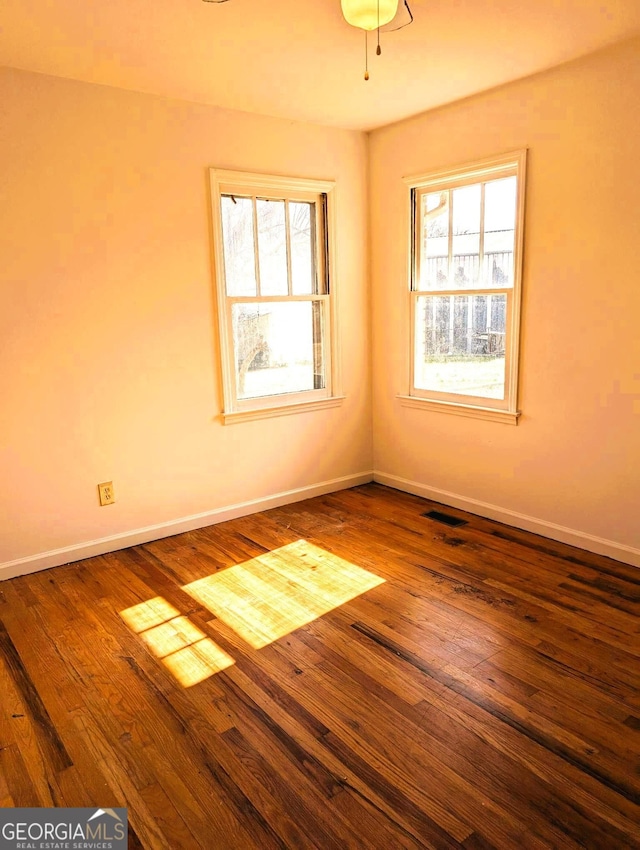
[
  {"x": 272, "y": 267},
  {"x": 270, "y": 246},
  {"x": 465, "y": 284}
]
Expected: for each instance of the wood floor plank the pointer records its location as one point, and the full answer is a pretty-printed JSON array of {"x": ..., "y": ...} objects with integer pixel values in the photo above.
[
  {"x": 22, "y": 788},
  {"x": 341, "y": 672},
  {"x": 41, "y": 723}
]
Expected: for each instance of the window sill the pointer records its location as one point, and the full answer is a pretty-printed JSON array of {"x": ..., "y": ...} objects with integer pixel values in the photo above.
[
  {"x": 281, "y": 410},
  {"x": 489, "y": 413}
]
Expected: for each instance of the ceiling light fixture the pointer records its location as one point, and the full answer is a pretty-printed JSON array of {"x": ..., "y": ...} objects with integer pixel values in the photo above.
[{"x": 370, "y": 15}]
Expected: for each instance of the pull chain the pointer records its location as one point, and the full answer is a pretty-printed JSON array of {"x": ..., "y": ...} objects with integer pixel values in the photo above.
[
  {"x": 378, "y": 48},
  {"x": 366, "y": 57}
]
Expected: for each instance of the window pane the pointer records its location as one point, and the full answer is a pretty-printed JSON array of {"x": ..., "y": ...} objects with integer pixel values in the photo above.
[
  {"x": 460, "y": 344},
  {"x": 272, "y": 247},
  {"x": 302, "y": 234},
  {"x": 237, "y": 236},
  {"x": 278, "y": 347},
  {"x": 499, "y": 230},
  {"x": 434, "y": 268},
  {"x": 465, "y": 260}
]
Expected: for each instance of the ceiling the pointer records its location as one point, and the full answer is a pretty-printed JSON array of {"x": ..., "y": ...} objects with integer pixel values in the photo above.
[{"x": 300, "y": 60}]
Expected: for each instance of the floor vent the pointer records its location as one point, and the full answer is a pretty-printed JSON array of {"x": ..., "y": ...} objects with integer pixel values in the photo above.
[{"x": 446, "y": 519}]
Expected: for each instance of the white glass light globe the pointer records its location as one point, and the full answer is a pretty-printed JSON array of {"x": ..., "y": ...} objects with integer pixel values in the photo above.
[{"x": 364, "y": 13}]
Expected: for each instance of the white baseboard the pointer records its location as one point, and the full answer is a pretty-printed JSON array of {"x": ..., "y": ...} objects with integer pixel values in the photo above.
[
  {"x": 68, "y": 554},
  {"x": 580, "y": 539},
  {"x": 90, "y": 548}
]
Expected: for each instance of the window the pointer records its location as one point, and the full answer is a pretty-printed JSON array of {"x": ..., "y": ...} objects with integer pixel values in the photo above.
[
  {"x": 465, "y": 274},
  {"x": 274, "y": 282}
]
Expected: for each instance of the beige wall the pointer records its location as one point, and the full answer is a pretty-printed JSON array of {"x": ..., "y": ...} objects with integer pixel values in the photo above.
[
  {"x": 108, "y": 342},
  {"x": 108, "y": 363},
  {"x": 574, "y": 459}
]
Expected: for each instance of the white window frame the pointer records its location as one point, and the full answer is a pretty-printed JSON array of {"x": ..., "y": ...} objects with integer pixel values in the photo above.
[
  {"x": 498, "y": 410},
  {"x": 242, "y": 183}
]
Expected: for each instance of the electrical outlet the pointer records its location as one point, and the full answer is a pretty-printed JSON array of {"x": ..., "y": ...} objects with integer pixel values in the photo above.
[{"x": 105, "y": 491}]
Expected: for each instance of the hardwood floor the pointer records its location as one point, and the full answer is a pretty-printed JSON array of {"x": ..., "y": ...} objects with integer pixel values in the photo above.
[{"x": 442, "y": 687}]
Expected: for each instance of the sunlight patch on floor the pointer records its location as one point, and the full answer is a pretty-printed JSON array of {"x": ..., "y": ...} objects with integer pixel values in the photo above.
[
  {"x": 274, "y": 594},
  {"x": 182, "y": 647}
]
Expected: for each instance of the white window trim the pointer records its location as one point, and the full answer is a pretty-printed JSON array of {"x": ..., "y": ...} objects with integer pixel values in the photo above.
[
  {"x": 241, "y": 410},
  {"x": 457, "y": 409},
  {"x": 504, "y": 410}
]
